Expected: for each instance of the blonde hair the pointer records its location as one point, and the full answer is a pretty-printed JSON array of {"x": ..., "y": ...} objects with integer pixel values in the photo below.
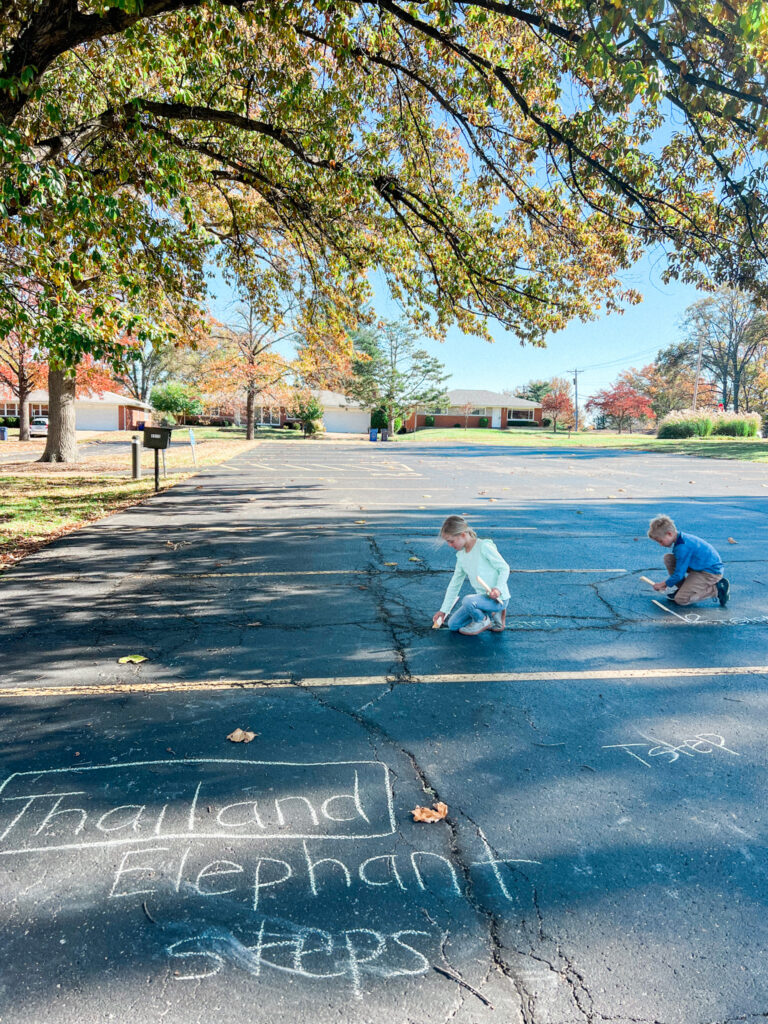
[
  {"x": 454, "y": 525},
  {"x": 660, "y": 525}
]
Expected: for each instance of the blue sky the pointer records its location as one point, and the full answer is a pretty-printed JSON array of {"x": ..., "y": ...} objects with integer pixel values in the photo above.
[{"x": 602, "y": 349}]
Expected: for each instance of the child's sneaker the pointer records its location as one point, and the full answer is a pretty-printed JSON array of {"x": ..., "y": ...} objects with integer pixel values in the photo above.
[
  {"x": 723, "y": 591},
  {"x": 497, "y": 626},
  {"x": 473, "y": 628}
]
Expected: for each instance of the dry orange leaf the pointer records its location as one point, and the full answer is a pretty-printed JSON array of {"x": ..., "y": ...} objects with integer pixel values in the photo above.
[
  {"x": 241, "y": 736},
  {"x": 390, "y": 563},
  {"x": 132, "y": 659},
  {"x": 435, "y": 813},
  {"x": 414, "y": 559},
  {"x": 732, "y": 541}
]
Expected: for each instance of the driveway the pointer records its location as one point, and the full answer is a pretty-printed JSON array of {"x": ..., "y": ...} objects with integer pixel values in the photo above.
[{"x": 603, "y": 762}]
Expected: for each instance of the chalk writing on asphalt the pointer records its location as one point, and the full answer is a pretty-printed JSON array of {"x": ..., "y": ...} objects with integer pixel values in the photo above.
[
  {"x": 701, "y": 743},
  {"x": 235, "y": 856}
]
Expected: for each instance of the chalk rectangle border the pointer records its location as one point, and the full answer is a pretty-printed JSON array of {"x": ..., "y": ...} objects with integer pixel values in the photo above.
[{"x": 194, "y": 837}]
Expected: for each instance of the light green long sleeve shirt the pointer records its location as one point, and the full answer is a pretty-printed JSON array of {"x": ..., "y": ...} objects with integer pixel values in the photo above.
[{"x": 483, "y": 560}]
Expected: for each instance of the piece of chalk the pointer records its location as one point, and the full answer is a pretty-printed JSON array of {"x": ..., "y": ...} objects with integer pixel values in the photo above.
[
  {"x": 668, "y": 610},
  {"x": 436, "y": 625},
  {"x": 646, "y": 580},
  {"x": 487, "y": 589}
]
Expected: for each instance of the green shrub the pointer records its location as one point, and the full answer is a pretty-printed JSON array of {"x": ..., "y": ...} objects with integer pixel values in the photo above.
[
  {"x": 675, "y": 430},
  {"x": 398, "y": 424},
  {"x": 458, "y": 425},
  {"x": 546, "y": 421},
  {"x": 379, "y": 419},
  {"x": 429, "y": 421},
  {"x": 483, "y": 421}
]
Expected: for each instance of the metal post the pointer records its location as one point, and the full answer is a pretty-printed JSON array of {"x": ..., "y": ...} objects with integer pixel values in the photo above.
[
  {"x": 165, "y": 471},
  {"x": 698, "y": 371},
  {"x": 157, "y": 470},
  {"x": 136, "y": 457},
  {"x": 576, "y": 399}
]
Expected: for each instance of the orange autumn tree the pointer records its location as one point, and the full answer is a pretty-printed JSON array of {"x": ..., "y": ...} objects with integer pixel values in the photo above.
[
  {"x": 243, "y": 364},
  {"x": 21, "y": 371}
]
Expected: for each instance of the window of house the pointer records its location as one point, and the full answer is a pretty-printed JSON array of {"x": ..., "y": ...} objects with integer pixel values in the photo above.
[
  {"x": 478, "y": 412},
  {"x": 519, "y": 414}
]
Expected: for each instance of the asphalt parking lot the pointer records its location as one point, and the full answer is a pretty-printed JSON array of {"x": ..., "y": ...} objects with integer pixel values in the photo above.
[{"x": 603, "y": 761}]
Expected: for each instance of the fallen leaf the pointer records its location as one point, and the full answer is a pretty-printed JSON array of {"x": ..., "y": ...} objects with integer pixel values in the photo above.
[
  {"x": 413, "y": 558},
  {"x": 422, "y": 506},
  {"x": 360, "y": 522},
  {"x": 241, "y": 736},
  {"x": 435, "y": 813},
  {"x": 622, "y": 490},
  {"x": 691, "y": 481},
  {"x": 492, "y": 499},
  {"x": 132, "y": 659},
  {"x": 579, "y": 512},
  {"x": 390, "y": 563},
  {"x": 254, "y": 623},
  {"x": 732, "y": 541},
  {"x": 426, "y": 495}
]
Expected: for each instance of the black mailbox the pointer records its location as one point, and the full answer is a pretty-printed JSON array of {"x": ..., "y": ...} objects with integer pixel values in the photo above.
[{"x": 157, "y": 437}]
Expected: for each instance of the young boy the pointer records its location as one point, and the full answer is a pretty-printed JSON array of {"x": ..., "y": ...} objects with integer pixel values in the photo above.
[{"x": 694, "y": 567}]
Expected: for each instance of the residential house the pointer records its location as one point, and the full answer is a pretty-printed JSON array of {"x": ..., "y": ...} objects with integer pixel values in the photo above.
[
  {"x": 468, "y": 407},
  {"x": 105, "y": 411}
]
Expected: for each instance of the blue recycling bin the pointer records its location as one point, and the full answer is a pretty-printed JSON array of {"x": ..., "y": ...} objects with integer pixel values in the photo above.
[
  {"x": 3, "y": 433},
  {"x": 372, "y": 434}
]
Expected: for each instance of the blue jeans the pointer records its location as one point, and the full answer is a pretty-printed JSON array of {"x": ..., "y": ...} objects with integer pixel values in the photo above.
[{"x": 474, "y": 607}]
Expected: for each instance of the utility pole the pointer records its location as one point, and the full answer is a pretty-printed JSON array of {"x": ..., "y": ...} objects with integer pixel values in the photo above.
[
  {"x": 576, "y": 398},
  {"x": 698, "y": 373}
]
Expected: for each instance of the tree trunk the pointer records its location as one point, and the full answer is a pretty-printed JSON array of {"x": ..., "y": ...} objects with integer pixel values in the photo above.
[
  {"x": 23, "y": 413},
  {"x": 62, "y": 439},
  {"x": 250, "y": 413}
]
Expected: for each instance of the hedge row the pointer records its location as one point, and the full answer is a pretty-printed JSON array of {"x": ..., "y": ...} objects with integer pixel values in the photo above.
[{"x": 688, "y": 423}]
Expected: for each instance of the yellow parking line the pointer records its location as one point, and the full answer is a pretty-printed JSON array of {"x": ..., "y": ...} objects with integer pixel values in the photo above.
[{"x": 475, "y": 678}]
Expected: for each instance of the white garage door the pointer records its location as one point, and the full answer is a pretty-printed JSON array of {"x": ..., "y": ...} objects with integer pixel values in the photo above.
[
  {"x": 346, "y": 421},
  {"x": 95, "y": 417}
]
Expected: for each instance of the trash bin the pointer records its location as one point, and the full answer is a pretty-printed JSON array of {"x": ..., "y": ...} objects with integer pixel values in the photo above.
[
  {"x": 384, "y": 435},
  {"x": 3, "y": 433},
  {"x": 372, "y": 434}
]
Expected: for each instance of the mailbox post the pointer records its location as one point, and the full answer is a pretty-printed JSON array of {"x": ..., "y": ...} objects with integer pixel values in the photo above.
[{"x": 157, "y": 438}]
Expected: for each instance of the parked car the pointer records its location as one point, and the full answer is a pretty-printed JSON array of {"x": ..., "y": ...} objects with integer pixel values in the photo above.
[{"x": 39, "y": 427}]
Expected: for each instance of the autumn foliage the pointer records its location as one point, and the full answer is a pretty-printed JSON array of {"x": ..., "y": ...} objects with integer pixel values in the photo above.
[{"x": 621, "y": 404}]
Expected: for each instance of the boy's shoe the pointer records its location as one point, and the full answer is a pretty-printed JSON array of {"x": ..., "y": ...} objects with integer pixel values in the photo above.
[
  {"x": 673, "y": 595},
  {"x": 473, "y": 628},
  {"x": 497, "y": 626},
  {"x": 723, "y": 591}
]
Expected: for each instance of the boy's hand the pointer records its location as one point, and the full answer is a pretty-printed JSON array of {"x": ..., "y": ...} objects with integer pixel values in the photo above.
[
  {"x": 659, "y": 586},
  {"x": 495, "y": 593},
  {"x": 438, "y": 618}
]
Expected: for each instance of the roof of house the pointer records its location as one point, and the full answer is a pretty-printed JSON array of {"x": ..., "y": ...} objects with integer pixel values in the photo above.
[
  {"x": 40, "y": 396},
  {"x": 480, "y": 399},
  {"x": 335, "y": 400}
]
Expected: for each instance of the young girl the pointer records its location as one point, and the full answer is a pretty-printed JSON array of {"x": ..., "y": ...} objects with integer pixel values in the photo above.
[{"x": 474, "y": 558}]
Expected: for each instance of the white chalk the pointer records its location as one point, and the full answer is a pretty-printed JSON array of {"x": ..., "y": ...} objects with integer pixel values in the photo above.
[{"x": 669, "y": 610}]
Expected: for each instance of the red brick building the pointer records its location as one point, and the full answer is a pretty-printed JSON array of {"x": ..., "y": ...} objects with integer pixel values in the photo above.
[{"x": 471, "y": 407}]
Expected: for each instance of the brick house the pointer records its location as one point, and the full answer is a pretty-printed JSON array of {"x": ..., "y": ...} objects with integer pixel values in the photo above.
[
  {"x": 105, "y": 411},
  {"x": 468, "y": 407}
]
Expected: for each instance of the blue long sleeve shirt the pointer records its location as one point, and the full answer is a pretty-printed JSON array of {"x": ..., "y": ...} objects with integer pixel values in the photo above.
[{"x": 693, "y": 553}]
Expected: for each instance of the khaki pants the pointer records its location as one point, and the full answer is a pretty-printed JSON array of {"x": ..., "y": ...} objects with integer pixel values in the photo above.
[{"x": 696, "y": 586}]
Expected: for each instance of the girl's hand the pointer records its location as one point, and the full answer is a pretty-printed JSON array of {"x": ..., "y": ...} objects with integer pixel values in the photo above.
[
  {"x": 438, "y": 618},
  {"x": 659, "y": 586},
  {"x": 495, "y": 593}
]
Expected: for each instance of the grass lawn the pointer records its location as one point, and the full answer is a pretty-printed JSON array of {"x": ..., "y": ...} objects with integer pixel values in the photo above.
[
  {"x": 752, "y": 449},
  {"x": 41, "y": 501}
]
